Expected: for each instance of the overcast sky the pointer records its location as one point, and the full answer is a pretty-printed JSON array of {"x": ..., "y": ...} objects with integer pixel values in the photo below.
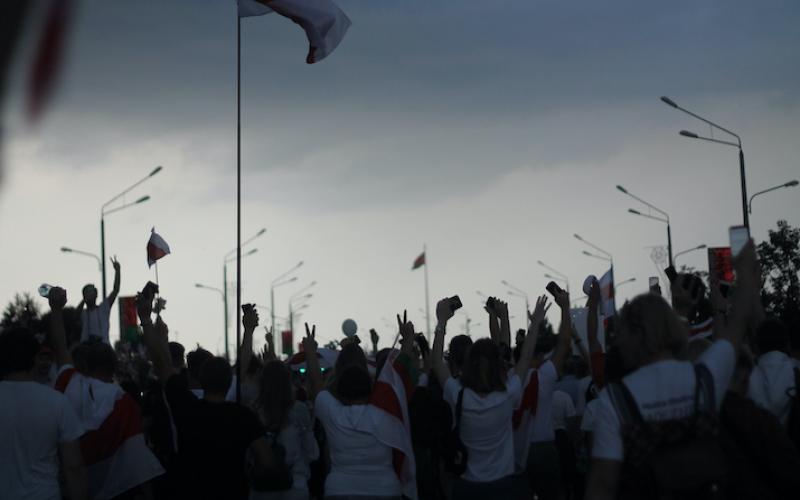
[{"x": 489, "y": 131}]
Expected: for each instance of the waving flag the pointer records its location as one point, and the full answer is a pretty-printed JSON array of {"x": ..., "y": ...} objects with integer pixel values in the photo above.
[
  {"x": 113, "y": 448},
  {"x": 389, "y": 402},
  {"x": 419, "y": 261},
  {"x": 323, "y": 21},
  {"x": 608, "y": 307},
  {"x": 522, "y": 420},
  {"x": 156, "y": 248}
]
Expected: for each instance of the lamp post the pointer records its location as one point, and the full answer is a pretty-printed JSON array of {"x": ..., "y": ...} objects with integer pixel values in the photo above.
[
  {"x": 789, "y": 184},
  {"x": 225, "y": 312},
  {"x": 698, "y": 247},
  {"x": 562, "y": 276},
  {"x": 230, "y": 257},
  {"x": 297, "y": 302},
  {"x": 595, "y": 256},
  {"x": 650, "y": 216},
  {"x": 610, "y": 257},
  {"x": 623, "y": 282},
  {"x": 519, "y": 293},
  {"x": 481, "y": 294},
  {"x": 104, "y": 212},
  {"x": 737, "y": 144},
  {"x": 86, "y": 254},
  {"x": 276, "y": 283}
]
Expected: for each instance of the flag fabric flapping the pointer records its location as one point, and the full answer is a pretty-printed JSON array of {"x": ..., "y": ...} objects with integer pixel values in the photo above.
[
  {"x": 419, "y": 261},
  {"x": 49, "y": 55},
  {"x": 323, "y": 21},
  {"x": 156, "y": 248},
  {"x": 389, "y": 413},
  {"x": 522, "y": 420},
  {"x": 608, "y": 306},
  {"x": 113, "y": 448}
]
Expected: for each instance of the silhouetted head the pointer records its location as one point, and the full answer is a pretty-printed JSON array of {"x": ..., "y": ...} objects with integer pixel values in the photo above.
[
  {"x": 195, "y": 361},
  {"x": 484, "y": 370},
  {"x": 215, "y": 377},
  {"x": 772, "y": 335},
  {"x": 648, "y": 329},
  {"x": 18, "y": 350},
  {"x": 90, "y": 295},
  {"x": 101, "y": 360},
  {"x": 176, "y": 352},
  {"x": 276, "y": 395},
  {"x": 353, "y": 383},
  {"x": 457, "y": 354}
]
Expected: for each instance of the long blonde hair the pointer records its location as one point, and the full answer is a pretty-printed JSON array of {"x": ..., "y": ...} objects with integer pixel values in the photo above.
[{"x": 649, "y": 327}]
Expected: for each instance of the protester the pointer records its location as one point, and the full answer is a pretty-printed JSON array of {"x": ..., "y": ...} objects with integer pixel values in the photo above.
[
  {"x": 39, "y": 430},
  {"x": 95, "y": 317},
  {"x": 772, "y": 379}
]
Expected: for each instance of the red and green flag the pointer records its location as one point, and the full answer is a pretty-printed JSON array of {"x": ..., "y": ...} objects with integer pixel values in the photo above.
[{"x": 419, "y": 261}]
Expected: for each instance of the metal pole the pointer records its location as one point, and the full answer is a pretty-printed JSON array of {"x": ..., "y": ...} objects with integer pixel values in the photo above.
[
  {"x": 427, "y": 300},
  {"x": 669, "y": 243},
  {"x": 238, "y": 202},
  {"x": 225, "y": 300},
  {"x": 746, "y": 216},
  {"x": 103, "y": 254},
  {"x": 272, "y": 311}
]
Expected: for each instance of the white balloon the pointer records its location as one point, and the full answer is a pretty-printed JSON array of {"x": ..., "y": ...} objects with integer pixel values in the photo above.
[{"x": 349, "y": 328}]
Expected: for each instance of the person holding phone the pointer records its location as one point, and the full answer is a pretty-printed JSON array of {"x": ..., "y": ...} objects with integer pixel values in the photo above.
[{"x": 488, "y": 395}]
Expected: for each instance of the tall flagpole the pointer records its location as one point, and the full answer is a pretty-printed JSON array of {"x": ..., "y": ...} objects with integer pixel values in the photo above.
[
  {"x": 427, "y": 300},
  {"x": 238, "y": 202}
]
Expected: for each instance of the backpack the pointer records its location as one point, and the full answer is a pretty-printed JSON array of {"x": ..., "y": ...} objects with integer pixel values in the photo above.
[
  {"x": 454, "y": 452},
  {"x": 793, "y": 423},
  {"x": 278, "y": 477},
  {"x": 673, "y": 459}
]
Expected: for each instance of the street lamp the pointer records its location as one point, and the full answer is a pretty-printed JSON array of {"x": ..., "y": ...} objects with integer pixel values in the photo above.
[
  {"x": 519, "y": 293},
  {"x": 222, "y": 296},
  {"x": 81, "y": 252},
  {"x": 556, "y": 272},
  {"x": 481, "y": 294},
  {"x": 104, "y": 212},
  {"x": 594, "y": 255},
  {"x": 789, "y": 184},
  {"x": 650, "y": 216},
  {"x": 698, "y": 247},
  {"x": 737, "y": 144},
  {"x": 276, "y": 283},
  {"x": 610, "y": 257},
  {"x": 623, "y": 282},
  {"x": 230, "y": 257}
]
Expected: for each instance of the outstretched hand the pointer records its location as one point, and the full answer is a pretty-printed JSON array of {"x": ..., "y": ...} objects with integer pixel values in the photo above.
[
  {"x": 250, "y": 319},
  {"x": 115, "y": 263},
  {"x": 594, "y": 294},
  {"x": 309, "y": 341},
  {"x": 57, "y": 298},
  {"x": 373, "y": 336},
  {"x": 405, "y": 327},
  {"x": 539, "y": 311},
  {"x": 562, "y": 299},
  {"x": 444, "y": 311}
]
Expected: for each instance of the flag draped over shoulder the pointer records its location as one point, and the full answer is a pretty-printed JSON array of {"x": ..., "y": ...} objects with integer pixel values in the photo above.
[
  {"x": 323, "y": 21},
  {"x": 522, "y": 420},
  {"x": 156, "y": 248},
  {"x": 389, "y": 402},
  {"x": 419, "y": 261},
  {"x": 113, "y": 447}
]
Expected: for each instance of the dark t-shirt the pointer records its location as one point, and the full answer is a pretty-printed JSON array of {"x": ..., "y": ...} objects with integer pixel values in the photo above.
[{"x": 212, "y": 442}]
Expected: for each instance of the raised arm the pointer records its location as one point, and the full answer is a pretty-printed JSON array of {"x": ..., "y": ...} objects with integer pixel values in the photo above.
[
  {"x": 746, "y": 302},
  {"x": 155, "y": 335},
  {"x": 406, "y": 330},
  {"x": 529, "y": 344},
  {"x": 115, "y": 291},
  {"x": 269, "y": 345},
  {"x": 443, "y": 314},
  {"x": 249, "y": 322},
  {"x": 312, "y": 362},
  {"x": 564, "y": 331},
  {"x": 58, "y": 335},
  {"x": 593, "y": 304},
  {"x": 505, "y": 324},
  {"x": 494, "y": 320}
]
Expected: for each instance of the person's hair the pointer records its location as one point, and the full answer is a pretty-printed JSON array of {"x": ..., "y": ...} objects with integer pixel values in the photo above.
[
  {"x": 195, "y": 361},
  {"x": 484, "y": 370},
  {"x": 772, "y": 335},
  {"x": 176, "y": 352},
  {"x": 648, "y": 326},
  {"x": 18, "y": 349},
  {"x": 215, "y": 376},
  {"x": 100, "y": 357},
  {"x": 276, "y": 395},
  {"x": 457, "y": 352},
  {"x": 352, "y": 381}
]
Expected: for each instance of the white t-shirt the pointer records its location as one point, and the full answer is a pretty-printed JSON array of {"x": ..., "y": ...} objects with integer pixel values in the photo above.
[
  {"x": 543, "y": 420},
  {"x": 562, "y": 409},
  {"x": 588, "y": 419},
  {"x": 360, "y": 464},
  {"x": 583, "y": 386},
  {"x": 33, "y": 421},
  {"x": 769, "y": 381},
  {"x": 95, "y": 321},
  {"x": 486, "y": 429},
  {"x": 663, "y": 390}
]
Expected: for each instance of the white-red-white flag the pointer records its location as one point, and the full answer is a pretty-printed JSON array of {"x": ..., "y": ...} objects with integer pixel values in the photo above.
[
  {"x": 156, "y": 248},
  {"x": 323, "y": 21},
  {"x": 608, "y": 306}
]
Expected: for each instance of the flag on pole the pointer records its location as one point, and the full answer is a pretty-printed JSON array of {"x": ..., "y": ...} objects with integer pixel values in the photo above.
[
  {"x": 49, "y": 54},
  {"x": 389, "y": 410},
  {"x": 323, "y": 21},
  {"x": 608, "y": 307},
  {"x": 419, "y": 261},
  {"x": 156, "y": 248}
]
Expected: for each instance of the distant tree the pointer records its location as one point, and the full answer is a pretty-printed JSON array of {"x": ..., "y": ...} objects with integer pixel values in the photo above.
[
  {"x": 332, "y": 345},
  {"x": 780, "y": 265},
  {"x": 703, "y": 275},
  {"x": 21, "y": 311}
]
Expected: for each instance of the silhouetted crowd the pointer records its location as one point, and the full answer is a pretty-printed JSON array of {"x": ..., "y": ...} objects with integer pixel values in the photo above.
[{"x": 648, "y": 409}]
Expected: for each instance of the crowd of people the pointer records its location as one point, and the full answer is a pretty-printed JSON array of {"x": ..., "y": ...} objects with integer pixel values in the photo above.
[{"x": 650, "y": 413}]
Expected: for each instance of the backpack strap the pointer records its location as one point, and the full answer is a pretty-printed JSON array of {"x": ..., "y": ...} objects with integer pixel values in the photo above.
[
  {"x": 625, "y": 405},
  {"x": 704, "y": 398}
]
